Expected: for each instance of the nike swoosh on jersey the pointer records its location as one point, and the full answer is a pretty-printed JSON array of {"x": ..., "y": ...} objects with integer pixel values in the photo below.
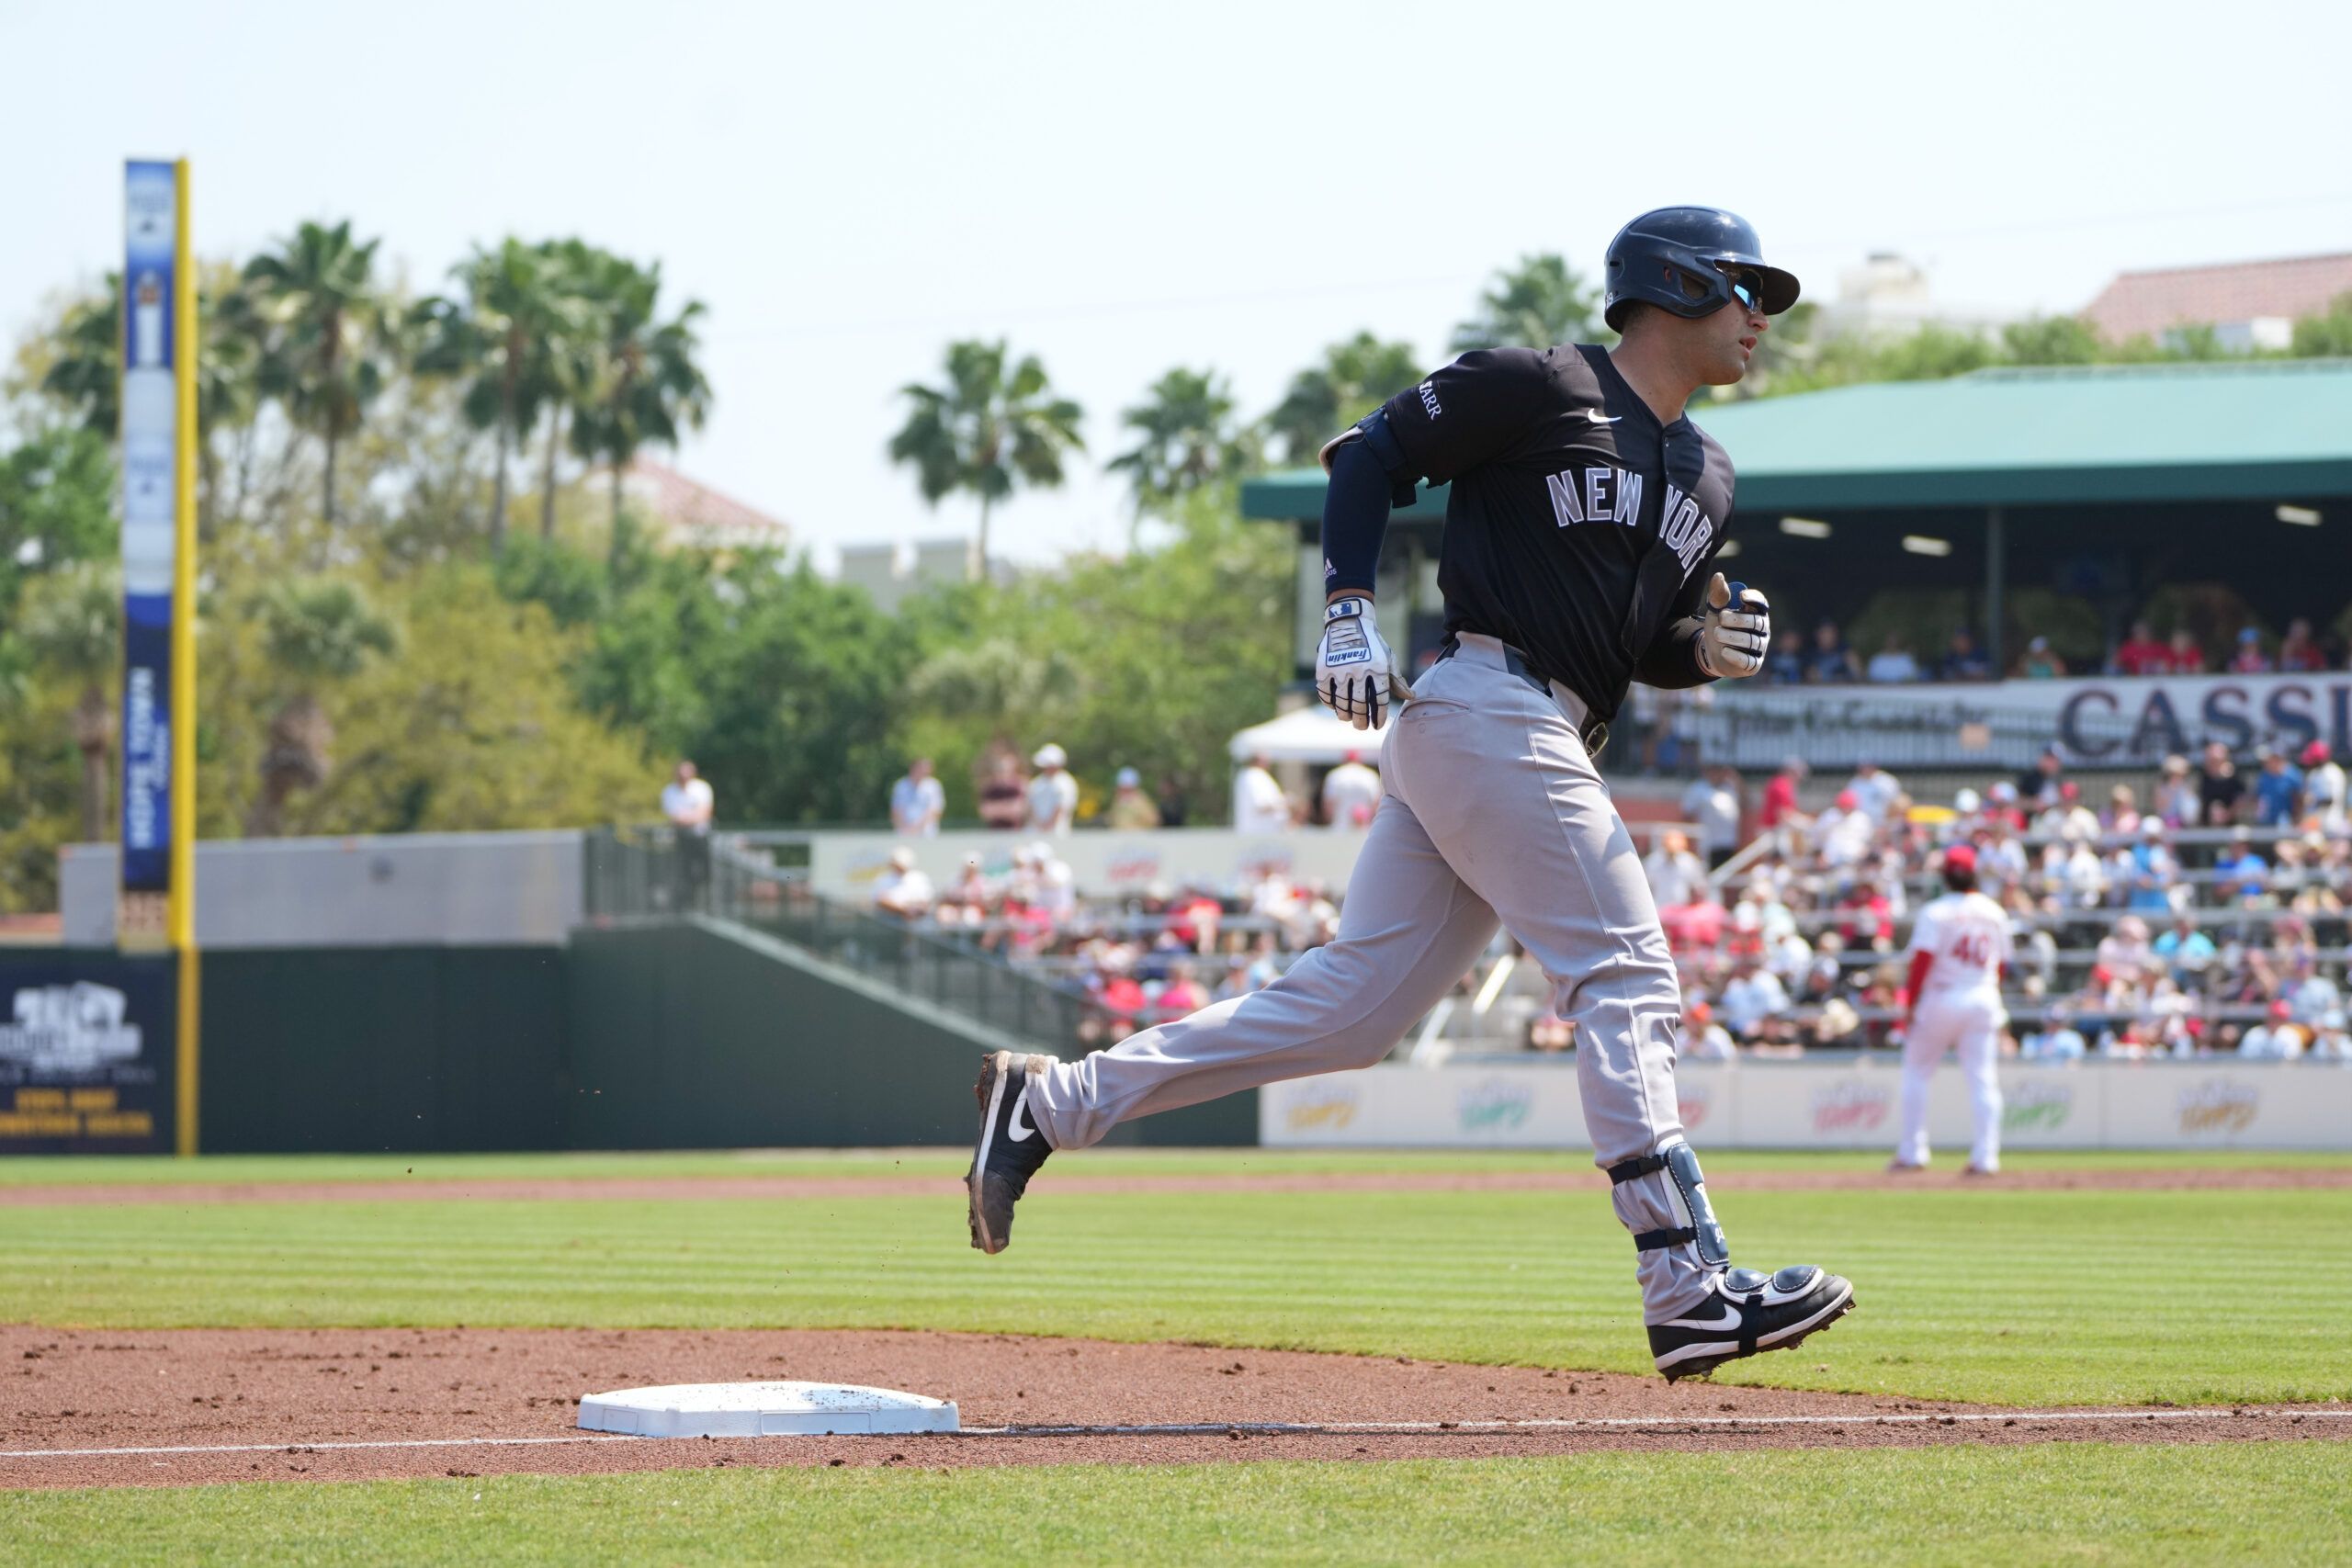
[
  {"x": 1598, "y": 418},
  {"x": 1015, "y": 1131}
]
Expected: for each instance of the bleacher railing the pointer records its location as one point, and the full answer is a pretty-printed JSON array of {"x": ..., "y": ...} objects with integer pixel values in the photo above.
[{"x": 657, "y": 873}]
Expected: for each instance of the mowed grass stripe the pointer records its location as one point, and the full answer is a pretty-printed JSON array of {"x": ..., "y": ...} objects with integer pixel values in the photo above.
[
  {"x": 2157, "y": 1503},
  {"x": 946, "y": 1165},
  {"x": 2073, "y": 1297}
]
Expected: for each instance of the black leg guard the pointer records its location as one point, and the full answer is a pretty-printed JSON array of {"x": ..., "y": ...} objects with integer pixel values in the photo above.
[{"x": 1687, "y": 1193}]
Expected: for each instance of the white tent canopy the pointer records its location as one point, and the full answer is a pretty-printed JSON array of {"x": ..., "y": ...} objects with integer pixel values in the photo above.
[{"x": 1311, "y": 734}]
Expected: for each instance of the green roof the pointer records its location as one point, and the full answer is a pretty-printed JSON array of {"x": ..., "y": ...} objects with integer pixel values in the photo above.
[{"x": 2243, "y": 431}]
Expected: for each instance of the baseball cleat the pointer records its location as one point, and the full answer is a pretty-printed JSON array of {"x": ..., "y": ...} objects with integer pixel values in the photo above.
[
  {"x": 1748, "y": 1311},
  {"x": 1903, "y": 1166},
  {"x": 1973, "y": 1168},
  {"x": 1010, "y": 1150}
]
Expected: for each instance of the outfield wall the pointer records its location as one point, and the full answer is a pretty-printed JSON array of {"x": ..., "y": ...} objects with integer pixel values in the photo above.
[{"x": 1828, "y": 1105}]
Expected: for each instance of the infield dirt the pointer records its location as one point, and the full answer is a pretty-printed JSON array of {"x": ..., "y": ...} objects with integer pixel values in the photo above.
[{"x": 287, "y": 1391}]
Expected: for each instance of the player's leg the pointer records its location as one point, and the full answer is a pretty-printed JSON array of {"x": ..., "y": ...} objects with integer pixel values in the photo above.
[
  {"x": 1924, "y": 1045},
  {"x": 1408, "y": 932},
  {"x": 1521, "y": 813},
  {"x": 1980, "y": 1060}
]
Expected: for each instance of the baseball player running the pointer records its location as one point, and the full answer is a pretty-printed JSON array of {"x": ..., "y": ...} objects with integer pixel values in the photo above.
[
  {"x": 1586, "y": 514},
  {"x": 1959, "y": 948}
]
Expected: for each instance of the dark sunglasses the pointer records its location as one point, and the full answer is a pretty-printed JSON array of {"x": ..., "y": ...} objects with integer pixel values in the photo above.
[{"x": 1746, "y": 286}]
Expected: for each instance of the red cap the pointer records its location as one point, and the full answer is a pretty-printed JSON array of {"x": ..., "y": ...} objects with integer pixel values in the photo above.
[
  {"x": 1846, "y": 800},
  {"x": 1961, "y": 857},
  {"x": 2280, "y": 1010},
  {"x": 2315, "y": 754},
  {"x": 1700, "y": 1012},
  {"x": 2070, "y": 790}
]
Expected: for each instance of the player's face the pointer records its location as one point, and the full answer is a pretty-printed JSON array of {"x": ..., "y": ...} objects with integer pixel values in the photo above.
[{"x": 1729, "y": 335}]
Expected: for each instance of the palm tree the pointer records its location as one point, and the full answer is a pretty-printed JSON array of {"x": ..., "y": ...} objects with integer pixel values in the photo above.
[
  {"x": 1534, "y": 305},
  {"x": 331, "y": 333},
  {"x": 1354, "y": 378},
  {"x": 1190, "y": 438},
  {"x": 496, "y": 338},
  {"x": 644, "y": 382},
  {"x": 986, "y": 432},
  {"x": 316, "y": 632},
  {"x": 73, "y": 627}
]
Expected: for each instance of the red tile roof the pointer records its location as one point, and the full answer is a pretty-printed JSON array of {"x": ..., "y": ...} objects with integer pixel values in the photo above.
[
  {"x": 693, "y": 512},
  {"x": 2152, "y": 302}
]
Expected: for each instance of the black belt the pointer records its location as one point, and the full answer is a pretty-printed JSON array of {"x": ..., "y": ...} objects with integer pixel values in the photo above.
[{"x": 1595, "y": 734}]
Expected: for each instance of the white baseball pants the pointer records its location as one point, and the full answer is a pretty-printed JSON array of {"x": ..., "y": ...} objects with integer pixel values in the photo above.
[
  {"x": 1493, "y": 812},
  {"x": 1969, "y": 1025}
]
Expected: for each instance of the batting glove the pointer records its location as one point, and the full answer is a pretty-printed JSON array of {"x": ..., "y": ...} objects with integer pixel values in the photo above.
[
  {"x": 1734, "y": 630},
  {"x": 1351, "y": 675}
]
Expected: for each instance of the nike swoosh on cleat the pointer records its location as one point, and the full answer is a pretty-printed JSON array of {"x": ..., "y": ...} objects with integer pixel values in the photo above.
[
  {"x": 1730, "y": 1319},
  {"x": 1015, "y": 1130}
]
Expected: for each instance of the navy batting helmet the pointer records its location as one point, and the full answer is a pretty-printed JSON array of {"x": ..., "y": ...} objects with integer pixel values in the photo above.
[{"x": 1684, "y": 260}]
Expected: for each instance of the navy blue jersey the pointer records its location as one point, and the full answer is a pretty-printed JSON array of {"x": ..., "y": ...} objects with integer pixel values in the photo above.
[{"x": 1580, "y": 530}]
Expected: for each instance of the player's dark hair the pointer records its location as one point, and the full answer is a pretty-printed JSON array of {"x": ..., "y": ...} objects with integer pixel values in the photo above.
[{"x": 1960, "y": 879}]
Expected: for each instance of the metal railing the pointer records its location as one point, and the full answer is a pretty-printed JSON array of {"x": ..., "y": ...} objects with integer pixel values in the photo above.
[{"x": 653, "y": 874}]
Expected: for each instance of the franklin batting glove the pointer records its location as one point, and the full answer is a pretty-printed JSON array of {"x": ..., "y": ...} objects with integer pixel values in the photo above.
[
  {"x": 1351, "y": 664},
  {"x": 1734, "y": 630}
]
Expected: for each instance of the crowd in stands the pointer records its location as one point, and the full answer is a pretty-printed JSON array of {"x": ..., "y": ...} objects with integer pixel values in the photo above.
[
  {"x": 1828, "y": 657},
  {"x": 1048, "y": 801},
  {"x": 2211, "y": 919},
  {"x": 2208, "y": 917}
]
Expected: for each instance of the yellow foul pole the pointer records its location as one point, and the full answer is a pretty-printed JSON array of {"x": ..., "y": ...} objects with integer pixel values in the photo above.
[{"x": 181, "y": 914}]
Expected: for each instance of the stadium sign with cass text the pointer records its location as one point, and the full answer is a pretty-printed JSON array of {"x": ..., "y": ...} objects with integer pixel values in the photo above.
[{"x": 2101, "y": 721}]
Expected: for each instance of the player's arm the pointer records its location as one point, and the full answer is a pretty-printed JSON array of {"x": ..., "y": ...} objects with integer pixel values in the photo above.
[
  {"x": 1707, "y": 636},
  {"x": 1456, "y": 419}
]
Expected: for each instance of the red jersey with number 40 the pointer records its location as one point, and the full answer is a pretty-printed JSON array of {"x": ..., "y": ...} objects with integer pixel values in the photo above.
[{"x": 1968, "y": 936}]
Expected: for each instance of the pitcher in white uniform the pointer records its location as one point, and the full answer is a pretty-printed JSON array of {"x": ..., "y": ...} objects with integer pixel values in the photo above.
[{"x": 1960, "y": 947}]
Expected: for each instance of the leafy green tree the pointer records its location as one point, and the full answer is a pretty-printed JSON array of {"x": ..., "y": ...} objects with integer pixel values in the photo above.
[
  {"x": 985, "y": 431},
  {"x": 1189, "y": 435},
  {"x": 1540, "y": 302},
  {"x": 1355, "y": 378},
  {"x": 645, "y": 380},
  {"x": 318, "y": 633},
  {"x": 476, "y": 726},
  {"x": 56, "y": 508},
  {"x": 72, "y": 627},
  {"x": 2050, "y": 340},
  {"x": 331, "y": 335},
  {"x": 85, "y": 369},
  {"x": 2327, "y": 335}
]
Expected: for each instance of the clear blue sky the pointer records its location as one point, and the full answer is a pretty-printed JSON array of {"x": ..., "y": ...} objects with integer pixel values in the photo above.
[{"x": 1123, "y": 188}]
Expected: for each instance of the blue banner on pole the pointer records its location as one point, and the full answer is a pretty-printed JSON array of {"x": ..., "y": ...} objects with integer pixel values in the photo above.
[{"x": 150, "y": 498}]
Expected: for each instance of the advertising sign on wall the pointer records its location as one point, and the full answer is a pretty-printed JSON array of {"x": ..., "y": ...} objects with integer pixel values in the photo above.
[
  {"x": 88, "y": 1056},
  {"x": 1826, "y": 1105}
]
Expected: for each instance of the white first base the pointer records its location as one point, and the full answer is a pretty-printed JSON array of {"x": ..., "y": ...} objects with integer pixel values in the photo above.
[{"x": 763, "y": 1410}]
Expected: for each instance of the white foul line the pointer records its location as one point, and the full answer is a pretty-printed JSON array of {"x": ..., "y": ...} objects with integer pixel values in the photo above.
[{"x": 1267, "y": 1428}]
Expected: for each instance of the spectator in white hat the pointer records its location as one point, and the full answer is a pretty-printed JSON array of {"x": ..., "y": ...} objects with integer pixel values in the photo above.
[
  {"x": 903, "y": 890},
  {"x": 1130, "y": 806},
  {"x": 1053, "y": 794}
]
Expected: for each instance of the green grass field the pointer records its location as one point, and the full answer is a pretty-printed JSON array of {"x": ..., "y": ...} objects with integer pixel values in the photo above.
[
  {"x": 2081, "y": 1503},
  {"x": 2007, "y": 1297}
]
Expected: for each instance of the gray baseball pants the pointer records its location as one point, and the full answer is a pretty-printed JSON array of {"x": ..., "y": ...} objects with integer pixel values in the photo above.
[{"x": 1494, "y": 812}]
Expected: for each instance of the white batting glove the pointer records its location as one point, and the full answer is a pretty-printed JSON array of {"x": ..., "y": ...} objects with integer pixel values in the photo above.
[
  {"x": 1352, "y": 675},
  {"x": 1734, "y": 630}
]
